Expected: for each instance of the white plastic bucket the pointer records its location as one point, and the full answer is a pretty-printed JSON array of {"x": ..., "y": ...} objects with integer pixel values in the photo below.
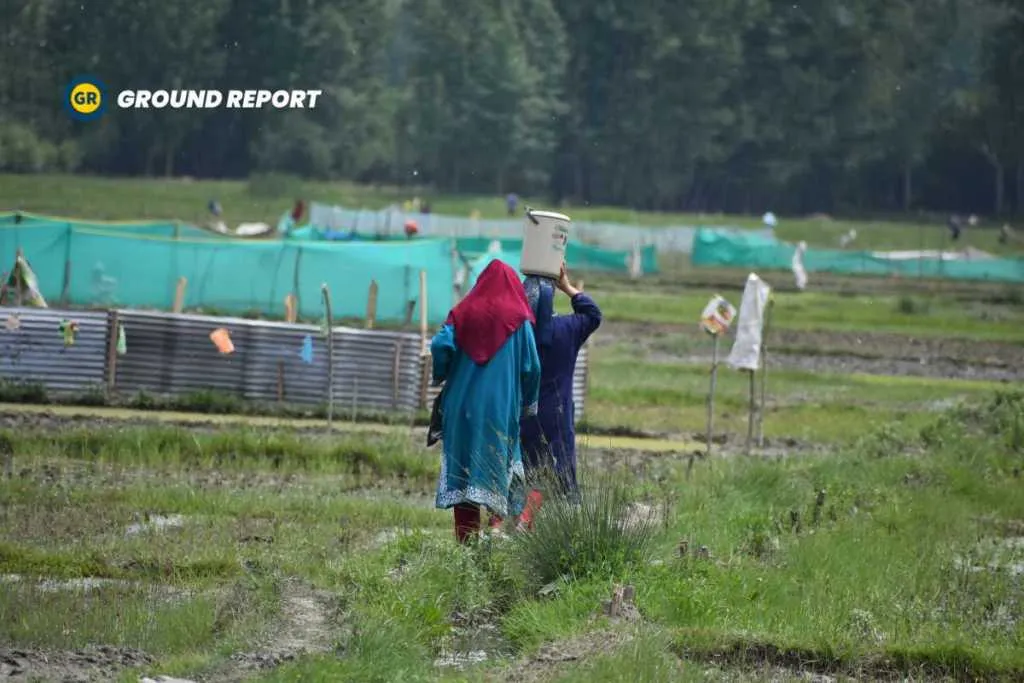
[{"x": 545, "y": 237}]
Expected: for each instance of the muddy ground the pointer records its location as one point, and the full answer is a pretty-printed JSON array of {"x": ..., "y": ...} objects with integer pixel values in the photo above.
[
  {"x": 875, "y": 353},
  {"x": 308, "y": 624},
  {"x": 310, "y": 621}
]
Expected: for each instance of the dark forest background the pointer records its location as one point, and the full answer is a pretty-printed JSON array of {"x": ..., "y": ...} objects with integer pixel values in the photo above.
[{"x": 844, "y": 106}]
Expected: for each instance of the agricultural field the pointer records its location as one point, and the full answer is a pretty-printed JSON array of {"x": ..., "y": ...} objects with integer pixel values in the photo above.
[
  {"x": 877, "y": 534},
  {"x": 266, "y": 197}
]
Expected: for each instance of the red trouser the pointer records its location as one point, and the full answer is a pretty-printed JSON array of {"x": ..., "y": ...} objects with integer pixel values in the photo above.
[
  {"x": 467, "y": 520},
  {"x": 534, "y": 500}
]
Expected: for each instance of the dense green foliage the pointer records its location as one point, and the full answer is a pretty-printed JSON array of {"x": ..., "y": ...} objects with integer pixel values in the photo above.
[{"x": 734, "y": 105}]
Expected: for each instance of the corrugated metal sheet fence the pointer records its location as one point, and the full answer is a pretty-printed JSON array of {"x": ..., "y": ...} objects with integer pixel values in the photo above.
[
  {"x": 172, "y": 355},
  {"x": 32, "y": 349}
]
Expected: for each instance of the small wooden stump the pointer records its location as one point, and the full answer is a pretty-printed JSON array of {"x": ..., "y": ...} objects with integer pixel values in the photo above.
[{"x": 621, "y": 605}]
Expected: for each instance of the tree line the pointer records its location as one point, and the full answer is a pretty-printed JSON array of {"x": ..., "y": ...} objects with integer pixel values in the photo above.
[{"x": 851, "y": 106}]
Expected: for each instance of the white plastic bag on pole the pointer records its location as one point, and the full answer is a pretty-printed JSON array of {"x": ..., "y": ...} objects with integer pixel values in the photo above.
[
  {"x": 798, "y": 266},
  {"x": 746, "y": 349},
  {"x": 635, "y": 262}
]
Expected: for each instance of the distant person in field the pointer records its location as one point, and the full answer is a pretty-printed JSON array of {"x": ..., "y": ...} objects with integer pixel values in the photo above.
[
  {"x": 955, "y": 225},
  {"x": 549, "y": 437},
  {"x": 298, "y": 210},
  {"x": 487, "y": 358},
  {"x": 512, "y": 201}
]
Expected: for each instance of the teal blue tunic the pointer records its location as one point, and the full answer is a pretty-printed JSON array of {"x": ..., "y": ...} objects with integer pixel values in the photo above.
[{"x": 482, "y": 462}]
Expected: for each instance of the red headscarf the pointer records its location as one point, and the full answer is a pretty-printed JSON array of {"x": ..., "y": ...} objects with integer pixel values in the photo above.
[{"x": 492, "y": 311}]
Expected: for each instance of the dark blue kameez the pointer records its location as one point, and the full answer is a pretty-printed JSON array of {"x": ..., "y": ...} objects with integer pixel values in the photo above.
[{"x": 549, "y": 438}]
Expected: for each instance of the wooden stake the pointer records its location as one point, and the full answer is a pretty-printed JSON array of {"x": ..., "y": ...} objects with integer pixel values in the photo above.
[
  {"x": 425, "y": 372},
  {"x": 423, "y": 312},
  {"x": 764, "y": 372},
  {"x": 326, "y": 292},
  {"x": 753, "y": 411},
  {"x": 371, "y": 305},
  {"x": 711, "y": 395},
  {"x": 297, "y": 293},
  {"x": 396, "y": 374},
  {"x": 424, "y": 344},
  {"x": 179, "y": 294},
  {"x": 291, "y": 311},
  {"x": 114, "y": 323}
]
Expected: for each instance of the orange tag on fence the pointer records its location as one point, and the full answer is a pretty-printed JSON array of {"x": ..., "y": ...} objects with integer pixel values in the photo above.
[{"x": 222, "y": 340}]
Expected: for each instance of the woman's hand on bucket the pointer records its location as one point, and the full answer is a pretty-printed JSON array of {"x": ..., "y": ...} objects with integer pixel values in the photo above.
[{"x": 564, "y": 283}]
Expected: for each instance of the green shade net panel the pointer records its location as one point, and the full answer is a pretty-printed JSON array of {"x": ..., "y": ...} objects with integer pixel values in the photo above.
[
  {"x": 578, "y": 256},
  {"x": 137, "y": 265},
  {"x": 718, "y": 248},
  {"x": 169, "y": 229}
]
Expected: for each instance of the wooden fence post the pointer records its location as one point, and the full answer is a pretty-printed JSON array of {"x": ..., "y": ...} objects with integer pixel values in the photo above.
[
  {"x": 113, "y": 325},
  {"x": 764, "y": 371},
  {"x": 179, "y": 294},
  {"x": 423, "y": 312},
  {"x": 330, "y": 353},
  {"x": 371, "y": 305},
  {"x": 711, "y": 396},
  {"x": 396, "y": 374},
  {"x": 295, "y": 280},
  {"x": 424, "y": 348},
  {"x": 291, "y": 312}
]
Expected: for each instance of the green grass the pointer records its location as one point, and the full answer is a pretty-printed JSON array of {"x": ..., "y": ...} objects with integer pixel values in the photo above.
[
  {"x": 371, "y": 454},
  {"x": 266, "y": 198},
  {"x": 867, "y": 579},
  {"x": 634, "y": 390},
  {"x": 869, "y": 582},
  {"x": 628, "y": 390},
  {"x": 922, "y": 315}
]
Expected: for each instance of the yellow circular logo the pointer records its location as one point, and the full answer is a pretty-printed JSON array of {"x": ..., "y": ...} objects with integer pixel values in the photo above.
[{"x": 85, "y": 98}]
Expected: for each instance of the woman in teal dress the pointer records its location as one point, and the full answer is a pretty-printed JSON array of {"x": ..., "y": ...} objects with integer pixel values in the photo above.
[{"x": 486, "y": 355}]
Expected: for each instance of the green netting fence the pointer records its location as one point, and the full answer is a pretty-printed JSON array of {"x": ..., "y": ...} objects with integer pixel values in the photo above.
[
  {"x": 578, "y": 256},
  {"x": 173, "y": 229},
  {"x": 739, "y": 250},
  {"x": 138, "y": 265}
]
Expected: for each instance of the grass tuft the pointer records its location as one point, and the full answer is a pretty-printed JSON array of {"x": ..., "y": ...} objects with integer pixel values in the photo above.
[
  {"x": 603, "y": 533},
  {"x": 374, "y": 455}
]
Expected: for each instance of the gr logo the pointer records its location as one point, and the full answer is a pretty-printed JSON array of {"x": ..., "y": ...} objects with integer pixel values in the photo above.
[{"x": 85, "y": 98}]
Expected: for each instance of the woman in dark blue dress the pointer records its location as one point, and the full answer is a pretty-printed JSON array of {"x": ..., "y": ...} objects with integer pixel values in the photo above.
[{"x": 549, "y": 438}]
